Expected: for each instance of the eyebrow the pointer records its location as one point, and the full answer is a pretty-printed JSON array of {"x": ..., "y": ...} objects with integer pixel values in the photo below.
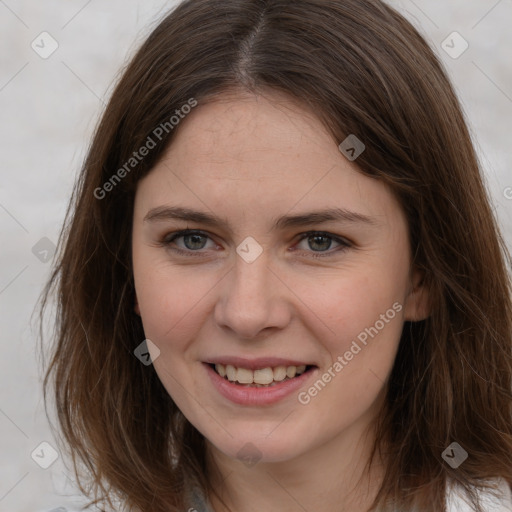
[{"x": 163, "y": 213}]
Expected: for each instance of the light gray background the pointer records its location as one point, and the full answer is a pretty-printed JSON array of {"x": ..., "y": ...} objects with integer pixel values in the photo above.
[{"x": 49, "y": 108}]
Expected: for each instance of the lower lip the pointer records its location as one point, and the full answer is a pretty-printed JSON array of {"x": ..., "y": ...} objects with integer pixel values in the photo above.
[{"x": 246, "y": 395}]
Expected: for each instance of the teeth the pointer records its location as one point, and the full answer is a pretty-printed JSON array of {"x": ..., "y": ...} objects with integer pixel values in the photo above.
[
  {"x": 244, "y": 376},
  {"x": 221, "y": 369},
  {"x": 231, "y": 372},
  {"x": 265, "y": 376},
  {"x": 279, "y": 373},
  {"x": 261, "y": 377},
  {"x": 291, "y": 371}
]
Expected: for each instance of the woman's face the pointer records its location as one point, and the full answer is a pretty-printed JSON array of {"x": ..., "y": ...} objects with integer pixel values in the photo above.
[{"x": 254, "y": 291}]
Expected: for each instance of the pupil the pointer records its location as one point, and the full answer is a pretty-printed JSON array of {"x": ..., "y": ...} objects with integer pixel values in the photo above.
[
  {"x": 197, "y": 237},
  {"x": 323, "y": 246}
]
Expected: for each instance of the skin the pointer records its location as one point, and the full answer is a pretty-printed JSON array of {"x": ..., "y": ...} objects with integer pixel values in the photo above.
[{"x": 250, "y": 159}]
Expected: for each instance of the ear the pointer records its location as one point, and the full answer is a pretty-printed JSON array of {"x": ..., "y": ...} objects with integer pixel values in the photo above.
[{"x": 417, "y": 302}]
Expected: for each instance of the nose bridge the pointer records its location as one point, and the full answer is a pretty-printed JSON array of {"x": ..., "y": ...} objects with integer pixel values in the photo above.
[
  {"x": 249, "y": 284},
  {"x": 248, "y": 302},
  {"x": 251, "y": 279}
]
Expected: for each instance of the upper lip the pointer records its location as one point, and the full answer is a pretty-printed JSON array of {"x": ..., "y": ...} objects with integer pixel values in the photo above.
[{"x": 257, "y": 363}]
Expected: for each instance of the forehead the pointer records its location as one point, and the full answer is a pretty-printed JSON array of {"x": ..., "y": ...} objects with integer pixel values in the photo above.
[
  {"x": 245, "y": 128},
  {"x": 259, "y": 155}
]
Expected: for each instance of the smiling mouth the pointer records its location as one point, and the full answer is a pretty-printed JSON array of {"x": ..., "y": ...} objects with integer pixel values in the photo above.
[{"x": 260, "y": 378}]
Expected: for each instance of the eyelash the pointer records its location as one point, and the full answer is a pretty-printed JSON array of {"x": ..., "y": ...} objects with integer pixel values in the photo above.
[{"x": 171, "y": 237}]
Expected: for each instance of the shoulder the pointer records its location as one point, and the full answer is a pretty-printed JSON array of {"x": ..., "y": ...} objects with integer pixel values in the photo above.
[{"x": 499, "y": 500}]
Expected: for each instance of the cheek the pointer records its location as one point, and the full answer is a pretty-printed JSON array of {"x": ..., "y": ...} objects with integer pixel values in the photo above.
[
  {"x": 366, "y": 316},
  {"x": 170, "y": 306},
  {"x": 170, "y": 301},
  {"x": 356, "y": 305}
]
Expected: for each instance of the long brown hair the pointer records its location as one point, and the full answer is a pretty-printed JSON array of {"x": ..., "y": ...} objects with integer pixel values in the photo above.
[{"x": 364, "y": 70}]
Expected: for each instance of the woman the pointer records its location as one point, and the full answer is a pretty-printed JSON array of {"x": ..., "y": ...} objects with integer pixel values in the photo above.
[{"x": 339, "y": 339}]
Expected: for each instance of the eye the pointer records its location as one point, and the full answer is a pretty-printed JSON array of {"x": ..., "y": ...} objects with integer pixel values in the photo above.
[
  {"x": 193, "y": 241},
  {"x": 321, "y": 241}
]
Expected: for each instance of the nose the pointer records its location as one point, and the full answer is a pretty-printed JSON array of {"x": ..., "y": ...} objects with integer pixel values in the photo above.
[{"x": 253, "y": 299}]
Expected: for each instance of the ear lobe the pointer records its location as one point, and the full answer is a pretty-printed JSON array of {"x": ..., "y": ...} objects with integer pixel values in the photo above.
[{"x": 417, "y": 303}]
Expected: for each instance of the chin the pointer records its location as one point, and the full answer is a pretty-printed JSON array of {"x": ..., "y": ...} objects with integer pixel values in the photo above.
[{"x": 252, "y": 448}]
